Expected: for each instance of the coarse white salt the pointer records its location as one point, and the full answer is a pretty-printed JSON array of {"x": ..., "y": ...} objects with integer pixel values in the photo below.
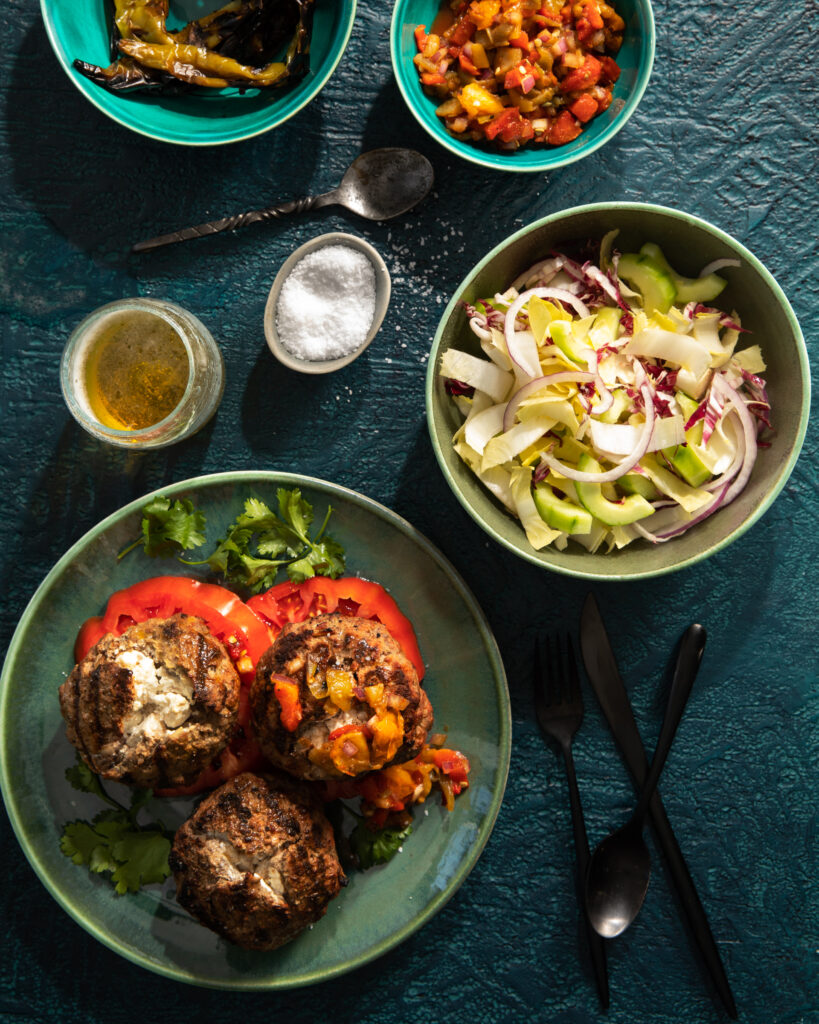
[{"x": 327, "y": 303}]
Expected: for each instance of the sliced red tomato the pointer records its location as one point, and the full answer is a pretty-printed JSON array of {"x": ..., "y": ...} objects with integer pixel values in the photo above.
[
  {"x": 349, "y": 595},
  {"x": 228, "y": 618}
]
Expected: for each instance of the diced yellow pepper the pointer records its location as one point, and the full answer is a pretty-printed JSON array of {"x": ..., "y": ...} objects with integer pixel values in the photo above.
[
  {"x": 388, "y": 735},
  {"x": 350, "y": 753},
  {"x": 479, "y": 58},
  {"x": 340, "y": 687},
  {"x": 476, "y": 100},
  {"x": 483, "y": 12}
]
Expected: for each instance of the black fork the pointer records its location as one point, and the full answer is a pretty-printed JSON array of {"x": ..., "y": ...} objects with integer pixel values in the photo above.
[{"x": 559, "y": 707}]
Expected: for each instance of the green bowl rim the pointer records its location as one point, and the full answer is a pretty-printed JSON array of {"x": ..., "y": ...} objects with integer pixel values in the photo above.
[
  {"x": 310, "y": 94},
  {"x": 492, "y": 652},
  {"x": 497, "y": 161},
  {"x": 785, "y": 469}
]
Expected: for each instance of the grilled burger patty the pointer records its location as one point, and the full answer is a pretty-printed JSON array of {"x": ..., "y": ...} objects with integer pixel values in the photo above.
[
  {"x": 356, "y": 697},
  {"x": 257, "y": 861},
  {"x": 154, "y": 706}
]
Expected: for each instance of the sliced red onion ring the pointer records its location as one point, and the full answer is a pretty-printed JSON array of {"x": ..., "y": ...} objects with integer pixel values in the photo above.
[
  {"x": 716, "y": 265},
  {"x": 546, "y": 268},
  {"x": 564, "y": 377},
  {"x": 479, "y": 327},
  {"x": 512, "y": 313},
  {"x": 730, "y": 487},
  {"x": 620, "y": 470},
  {"x": 606, "y": 397},
  {"x": 603, "y": 282},
  {"x": 749, "y": 431}
]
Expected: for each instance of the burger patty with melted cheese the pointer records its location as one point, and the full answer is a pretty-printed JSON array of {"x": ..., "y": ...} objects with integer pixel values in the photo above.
[{"x": 154, "y": 706}]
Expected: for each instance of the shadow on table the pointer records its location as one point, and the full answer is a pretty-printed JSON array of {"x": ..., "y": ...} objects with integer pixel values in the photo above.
[
  {"x": 105, "y": 187},
  {"x": 83, "y": 482}
]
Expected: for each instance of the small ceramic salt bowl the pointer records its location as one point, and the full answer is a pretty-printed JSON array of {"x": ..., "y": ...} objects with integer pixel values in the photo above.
[{"x": 382, "y": 298}]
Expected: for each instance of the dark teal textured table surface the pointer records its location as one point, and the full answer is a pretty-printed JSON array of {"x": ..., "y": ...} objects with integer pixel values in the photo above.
[{"x": 727, "y": 130}]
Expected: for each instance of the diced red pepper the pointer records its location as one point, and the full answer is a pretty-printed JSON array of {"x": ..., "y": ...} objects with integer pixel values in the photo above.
[
  {"x": 432, "y": 78},
  {"x": 521, "y": 40},
  {"x": 342, "y": 730},
  {"x": 584, "y": 107},
  {"x": 454, "y": 764},
  {"x": 421, "y": 37},
  {"x": 521, "y": 76},
  {"x": 462, "y": 32},
  {"x": 565, "y": 129},
  {"x": 509, "y": 125},
  {"x": 287, "y": 694},
  {"x": 467, "y": 64},
  {"x": 587, "y": 75},
  {"x": 611, "y": 71}
]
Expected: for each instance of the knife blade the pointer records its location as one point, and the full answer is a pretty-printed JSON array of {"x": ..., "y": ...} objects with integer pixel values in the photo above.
[{"x": 601, "y": 668}]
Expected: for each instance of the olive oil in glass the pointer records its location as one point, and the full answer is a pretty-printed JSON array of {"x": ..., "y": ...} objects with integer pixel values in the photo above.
[{"x": 141, "y": 373}]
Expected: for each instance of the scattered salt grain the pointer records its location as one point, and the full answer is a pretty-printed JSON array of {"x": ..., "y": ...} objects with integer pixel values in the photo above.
[{"x": 327, "y": 303}]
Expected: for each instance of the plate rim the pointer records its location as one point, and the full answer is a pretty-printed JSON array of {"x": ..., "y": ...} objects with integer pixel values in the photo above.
[{"x": 174, "y": 972}]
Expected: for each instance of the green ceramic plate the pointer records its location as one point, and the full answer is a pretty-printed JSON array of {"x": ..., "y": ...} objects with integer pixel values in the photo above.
[
  {"x": 379, "y": 908},
  {"x": 78, "y": 30},
  {"x": 689, "y": 244},
  {"x": 635, "y": 58}
]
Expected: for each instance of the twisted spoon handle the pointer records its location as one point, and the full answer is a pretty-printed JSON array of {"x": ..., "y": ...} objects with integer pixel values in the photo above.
[{"x": 238, "y": 220}]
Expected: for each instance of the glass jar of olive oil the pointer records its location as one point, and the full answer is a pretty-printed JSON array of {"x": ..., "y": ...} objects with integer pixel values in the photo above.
[{"x": 142, "y": 373}]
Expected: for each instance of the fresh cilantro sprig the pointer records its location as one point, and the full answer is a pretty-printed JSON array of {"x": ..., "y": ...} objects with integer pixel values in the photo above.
[
  {"x": 113, "y": 842},
  {"x": 260, "y": 543},
  {"x": 378, "y": 846},
  {"x": 169, "y": 527}
]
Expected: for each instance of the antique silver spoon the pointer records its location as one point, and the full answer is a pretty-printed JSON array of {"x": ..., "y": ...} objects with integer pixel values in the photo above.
[{"x": 378, "y": 185}]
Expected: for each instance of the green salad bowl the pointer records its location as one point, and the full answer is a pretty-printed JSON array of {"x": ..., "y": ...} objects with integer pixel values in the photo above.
[
  {"x": 635, "y": 59},
  {"x": 79, "y": 29},
  {"x": 689, "y": 244}
]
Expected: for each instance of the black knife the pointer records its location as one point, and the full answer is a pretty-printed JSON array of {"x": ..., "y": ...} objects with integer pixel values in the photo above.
[{"x": 601, "y": 669}]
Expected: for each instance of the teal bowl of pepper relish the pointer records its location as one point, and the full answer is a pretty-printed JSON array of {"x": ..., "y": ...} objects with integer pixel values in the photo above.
[
  {"x": 634, "y": 59},
  {"x": 203, "y": 116}
]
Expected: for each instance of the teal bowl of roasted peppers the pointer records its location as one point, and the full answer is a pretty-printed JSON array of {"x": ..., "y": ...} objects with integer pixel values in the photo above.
[{"x": 194, "y": 73}]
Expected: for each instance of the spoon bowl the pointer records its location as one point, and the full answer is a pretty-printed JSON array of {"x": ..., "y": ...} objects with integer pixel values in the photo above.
[
  {"x": 384, "y": 183},
  {"x": 618, "y": 878},
  {"x": 620, "y": 867}
]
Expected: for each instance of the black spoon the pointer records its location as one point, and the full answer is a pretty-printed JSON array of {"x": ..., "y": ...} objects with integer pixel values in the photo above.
[{"x": 620, "y": 866}]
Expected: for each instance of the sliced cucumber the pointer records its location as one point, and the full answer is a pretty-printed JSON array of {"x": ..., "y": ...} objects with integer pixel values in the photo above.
[
  {"x": 638, "y": 483},
  {"x": 689, "y": 289},
  {"x": 563, "y": 336},
  {"x": 559, "y": 513},
  {"x": 654, "y": 284},
  {"x": 620, "y": 404},
  {"x": 612, "y": 513},
  {"x": 684, "y": 460}
]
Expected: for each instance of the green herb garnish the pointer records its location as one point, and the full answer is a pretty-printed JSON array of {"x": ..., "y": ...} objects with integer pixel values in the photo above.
[
  {"x": 260, "y": 543},
  {"x": 113, "y": 842},
  {"x": 169, "y": 527},
  {"x": 376, "y": 846}
]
